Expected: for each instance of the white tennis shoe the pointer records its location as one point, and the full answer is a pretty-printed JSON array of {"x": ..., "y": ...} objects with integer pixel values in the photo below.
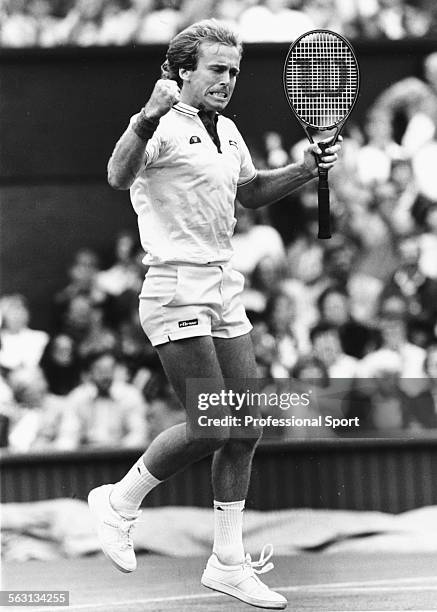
[
  {"x": 241, "y": 580},
  {"x": 113, "y": 531}
]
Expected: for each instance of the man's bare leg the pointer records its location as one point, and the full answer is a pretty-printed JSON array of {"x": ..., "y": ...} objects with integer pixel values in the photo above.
[
  {"x": 232, "y": 462},
  {"x": 173, "y": 450}
]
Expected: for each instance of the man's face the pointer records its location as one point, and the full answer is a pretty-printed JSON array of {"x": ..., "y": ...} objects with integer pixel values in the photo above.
[
  {"x": 211, "y": 84},
  {"x": 327, "y": 347},
  {"x": 102, "y": 373}
]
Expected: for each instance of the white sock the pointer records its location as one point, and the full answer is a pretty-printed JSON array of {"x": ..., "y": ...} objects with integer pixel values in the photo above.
[
  {"x": 129, "y": 492},
  {"x": 228, "y": 532}
]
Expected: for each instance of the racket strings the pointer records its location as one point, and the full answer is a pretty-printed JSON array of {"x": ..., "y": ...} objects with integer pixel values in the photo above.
[{"x": 321, "y": 79}]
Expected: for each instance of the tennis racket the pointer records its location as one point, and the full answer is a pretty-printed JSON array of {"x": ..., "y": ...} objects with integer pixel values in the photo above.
[{"x": 321, "y": 83}]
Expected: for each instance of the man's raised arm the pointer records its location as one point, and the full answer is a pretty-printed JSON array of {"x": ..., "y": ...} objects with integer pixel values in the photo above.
[{"x": 128, "y": 154}]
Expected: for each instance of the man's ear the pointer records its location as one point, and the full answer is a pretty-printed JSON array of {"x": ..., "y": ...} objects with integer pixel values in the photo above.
[{"x": 185, "y": 74}]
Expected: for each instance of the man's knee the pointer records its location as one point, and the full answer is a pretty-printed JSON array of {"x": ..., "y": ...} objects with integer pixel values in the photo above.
[
  {"x": 248, "y": 441},
  {"x": 207, "y": 446}
]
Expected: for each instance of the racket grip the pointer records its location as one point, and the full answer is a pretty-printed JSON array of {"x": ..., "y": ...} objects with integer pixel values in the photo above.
[{"x": 324, "y": 207}]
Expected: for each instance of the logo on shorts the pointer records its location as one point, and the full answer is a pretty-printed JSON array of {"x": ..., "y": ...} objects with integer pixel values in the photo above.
[
  {"x": 233, "y": 143},
  {"x": 188, "y": 323},
  {"x": 194, "y": 139}
]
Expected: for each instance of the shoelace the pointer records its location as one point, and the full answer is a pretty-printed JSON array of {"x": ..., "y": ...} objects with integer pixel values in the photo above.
[
  {"x": 265, "y": 555},
  {"x": 125, "y": 527}
]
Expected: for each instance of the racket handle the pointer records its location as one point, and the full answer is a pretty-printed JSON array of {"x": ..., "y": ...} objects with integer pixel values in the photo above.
[{"x": 324, "y": 207}]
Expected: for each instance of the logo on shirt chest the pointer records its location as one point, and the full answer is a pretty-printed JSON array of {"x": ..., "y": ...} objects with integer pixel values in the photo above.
[
  {"x": 233, "y": 143},
  {"x": 194, "y": 139}
]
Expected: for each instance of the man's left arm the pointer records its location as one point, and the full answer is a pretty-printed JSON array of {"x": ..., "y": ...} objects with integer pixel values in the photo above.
[{"x": 272, "y": 185}]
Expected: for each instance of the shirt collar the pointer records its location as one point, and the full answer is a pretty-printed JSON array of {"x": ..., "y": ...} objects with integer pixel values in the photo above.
[{"x": 186, "y": 109}]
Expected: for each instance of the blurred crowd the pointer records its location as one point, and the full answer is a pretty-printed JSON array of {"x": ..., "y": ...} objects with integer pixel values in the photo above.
[
  {"x": 50, "y": 23},
  {"x": 355, "y": 316}
]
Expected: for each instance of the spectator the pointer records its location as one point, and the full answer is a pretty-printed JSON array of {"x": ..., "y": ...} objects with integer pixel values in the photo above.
[
  {"x": 416, "y": 100},
  {"x": 334, "y": 307},
  {"x": 7, "y": 411},
  {"x": 341, "y": 262},
  {"x": 327, "y": 396},
  {"x": 387, "y": 402},
  {"x": 327, "y": 348},
  {"x": 121, "y": 20},
  {"x": 123, "y": 274},
  {"x": 83, "y": 23},
  {"x": 77, "y": 318},
  {"x": 395, "y": 347},
  {"x": 431, "y": 370},
  {"x": 390, "y": 19},
  {"x": 136, "y": 351},
  {"x": 305, "y": 253},
  {"x": 276, "y": 156},
  {"x": 309, "y": 376},
  {"x": 83, "y": 282},
  {"x": 253, "y": 242},
  {"x": 281, "y": 322},
  {"x": 193, "y": 10},
  {"x": 50, "y": 27},
  {"x": 163, "y": 407},
  {"x": 85, "y": 324},
  {"x": 420, "y": 412},
  {"x": 379, "y": 403},
  {"x": 428, "y": 243},
  {"x": 36, "y": 416},
  {"x": 406, "y": 189},
  {"x": 18, "y": 27},
  {"x": 98, "y": 336},
  {"x": 103, "y": 411},
  {"x": 264, "y": 345},
  {"x": 160, "y": 24},
  {"x": 323, "y": 14},
  {"x": 19, "y": 344},
  {"x": 417, "y": 21},
  {"x": 60, "y": 364},
  {"x": 355, "y": 15},
  {"x": 272, "y": 20},
  {"x": 408, "y": 281},
  {"x": 121, "y": 283},
  {"x": 375, "y": 159},
  {"x": 311, "y": 369},
  {"x": 229, "y": 11},
  {"x": 265, "y": 280}
]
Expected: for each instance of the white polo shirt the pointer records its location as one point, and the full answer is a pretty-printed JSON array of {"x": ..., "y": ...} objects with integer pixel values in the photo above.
[{"x": 184, "y": 195}]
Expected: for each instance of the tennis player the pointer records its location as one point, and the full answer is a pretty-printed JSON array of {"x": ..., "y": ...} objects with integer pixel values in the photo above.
[{"x": 185, "y": 164}]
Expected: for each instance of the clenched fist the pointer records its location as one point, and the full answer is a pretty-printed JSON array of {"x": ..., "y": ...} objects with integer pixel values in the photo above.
[{"x": 165, "y": 94}]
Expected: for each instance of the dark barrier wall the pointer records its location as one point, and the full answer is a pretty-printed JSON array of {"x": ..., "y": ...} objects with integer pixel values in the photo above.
[
  {"x": 63, "y": 109},
  {"x": 389, "y": 475}
]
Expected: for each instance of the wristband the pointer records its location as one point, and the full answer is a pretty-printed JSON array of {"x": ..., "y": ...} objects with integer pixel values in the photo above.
[{"x": 144, "y": 127}]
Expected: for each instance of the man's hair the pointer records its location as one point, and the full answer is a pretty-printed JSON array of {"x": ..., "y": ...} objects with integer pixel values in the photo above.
[{"x": 183, "y": 50}]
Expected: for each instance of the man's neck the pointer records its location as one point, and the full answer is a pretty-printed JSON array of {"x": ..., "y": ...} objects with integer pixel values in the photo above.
[{"x": 211, "y": 114}]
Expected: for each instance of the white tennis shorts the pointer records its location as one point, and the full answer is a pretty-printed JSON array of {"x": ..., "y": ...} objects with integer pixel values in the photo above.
[{"x": 182, "y": 301}]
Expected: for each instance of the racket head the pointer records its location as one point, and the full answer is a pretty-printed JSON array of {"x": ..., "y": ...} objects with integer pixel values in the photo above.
[{"x": 321, "y": 79}]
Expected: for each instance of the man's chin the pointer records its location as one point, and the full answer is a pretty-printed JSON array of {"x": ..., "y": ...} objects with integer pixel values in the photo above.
[{"x": 215, "y": 105}]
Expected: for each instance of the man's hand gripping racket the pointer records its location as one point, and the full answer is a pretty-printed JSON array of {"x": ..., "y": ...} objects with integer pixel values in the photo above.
[{"x": 321, "y": 83}]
